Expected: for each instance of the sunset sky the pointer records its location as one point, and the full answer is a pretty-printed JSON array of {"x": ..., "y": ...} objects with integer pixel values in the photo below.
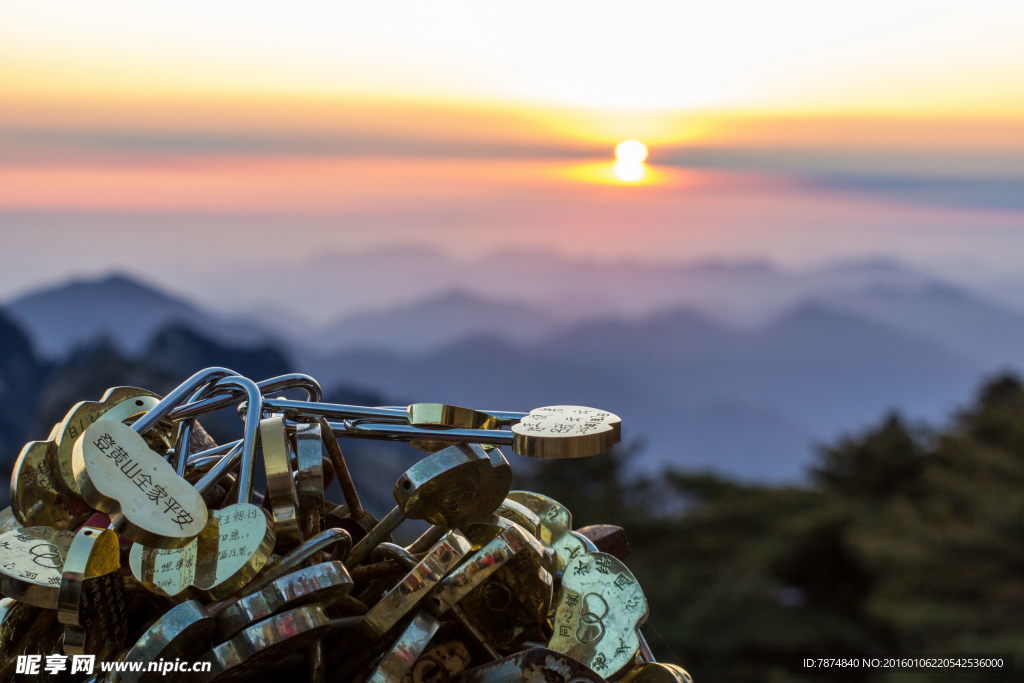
[{"x": 132, "y": 133}]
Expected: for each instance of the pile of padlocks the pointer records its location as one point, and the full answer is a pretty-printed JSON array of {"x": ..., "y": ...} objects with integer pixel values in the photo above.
[{"x": 134, "y": 538}]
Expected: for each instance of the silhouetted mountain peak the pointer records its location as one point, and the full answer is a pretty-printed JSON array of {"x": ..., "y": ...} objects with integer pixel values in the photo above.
[
  {"x": 116, "y": 305},
  {"x": 178, "y": 347},
  {"x": 116, "y": 287}
]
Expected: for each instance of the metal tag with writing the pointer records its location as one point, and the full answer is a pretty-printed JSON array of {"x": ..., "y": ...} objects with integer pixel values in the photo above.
[
  {"x": 566, "y": 432},
  {"x": 600, "y": 607},
  {"x": 119, "y": 474}
]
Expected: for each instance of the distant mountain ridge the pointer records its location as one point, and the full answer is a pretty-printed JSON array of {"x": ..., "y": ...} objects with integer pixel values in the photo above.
[
  {"x": 830, "y": 348},
  {"x": 750, "y": 402},
  {"x": 436, "y": 321},
  {"x": 338, "y": 285},
  {"x": 117, "y": 306}
]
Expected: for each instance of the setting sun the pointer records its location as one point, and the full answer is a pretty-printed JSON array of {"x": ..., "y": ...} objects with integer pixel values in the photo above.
[
  {"x": 631, "y": 152},
  {"x": 629, "y": 161}
]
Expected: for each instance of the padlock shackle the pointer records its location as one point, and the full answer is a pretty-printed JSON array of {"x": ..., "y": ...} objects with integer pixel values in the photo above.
[
  {"x": 178, "y": 396},
  {"x": 343, "y": 411},
  {"x": 294, "y": 380},
  {"x": 405, "y": 432},
  {"x": 254, "y": 398},
  {"x": 388, "y": 431}
]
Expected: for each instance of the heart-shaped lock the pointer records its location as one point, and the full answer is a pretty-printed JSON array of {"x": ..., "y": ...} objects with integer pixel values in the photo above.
[
  {"x": 284, "y": 498},
  {"x": 119, "y": 474},
  {"x": 37, "y": 499},
  {"x": 31, "y": 562},
  {"x": 555, "y": 530},
  {"x": 117, "y": 403},
  {"x": 599, "y": 610},
  {"x": 411, "y": 589},
  {"x": 566, "y": 432},
  {"x": 236, "y": 542},
  {"x": 91, "y": 600},
  {"x": 449, "y": 487},
  {"x": 187, "y": 627}
]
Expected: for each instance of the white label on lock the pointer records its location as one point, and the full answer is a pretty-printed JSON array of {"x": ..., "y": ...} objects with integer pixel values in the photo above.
[
  {"x": 552, "y": 421},
  {"x": 121, "y": 466}
]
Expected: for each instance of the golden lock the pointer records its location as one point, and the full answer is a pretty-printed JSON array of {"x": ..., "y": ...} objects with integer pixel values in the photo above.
[
  {"x": 455, "y": 417},
  {"x": 568, "y": 547},
  {"x": 284, "y": 501},
  {"x": 529, "y": 520},
  {"x": 228, "y": 553},
  {"x": 117, "y": 403},
  {"x": 521, "y": 515},
  {"x": 551, "y": 432},
  {"x": 399, "y": 660},
  {"x": 188, "y": 626},
  {"x": 511, "y": 606},
  {"x": 441, "y": 416},
  {"x": 599, "y": 611},
  {"x": 178, "y": 632},
  {"x": 36, "y": 497},
  {"x": 91, "y": 602},
  {"x": 259, "y": 645},
  {"x": 170, "y": 572},
  {"x": 459, "y": 484},
  {"x": 504, "y": 540},
  {"x": 415, "y": 585},
  {"x": 554, "y": 518},
  {"x": 119, "y": 474},
  {"x": 324, "y": 584},
  {"x": 309, "y": 477},
  {"x": 339, "y": 540},
  {"x": 237, "y": 540},
  {"x": 555, "y": 529},
  {"x": 31, "y": 562},
  {"x": 566, "y": 432},
  {"x": 43, "y": 488},
  {"x": 450, "y": 487},
  {"x": 244, "y": 546},
  {"x": 497, "y": 542}
]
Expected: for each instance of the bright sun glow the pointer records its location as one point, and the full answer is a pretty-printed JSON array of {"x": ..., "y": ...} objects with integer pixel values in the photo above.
[
  {"x": 629, "y": 161},
  {"x": 631, "y": 152}
]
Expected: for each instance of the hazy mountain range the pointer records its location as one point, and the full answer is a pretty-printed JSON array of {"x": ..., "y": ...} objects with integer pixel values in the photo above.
[
  {"x": 330, "y": 288},
  {"x": 738, "y": 367}
]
